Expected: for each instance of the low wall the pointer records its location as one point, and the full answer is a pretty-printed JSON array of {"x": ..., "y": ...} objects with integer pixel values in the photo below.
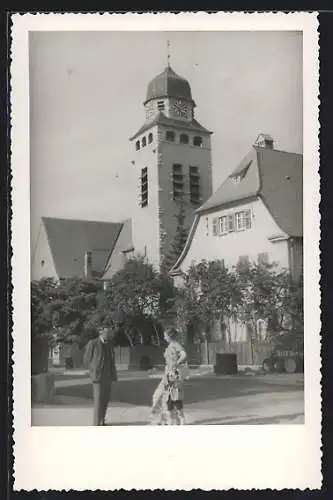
[{"x": 42, "y": 388}]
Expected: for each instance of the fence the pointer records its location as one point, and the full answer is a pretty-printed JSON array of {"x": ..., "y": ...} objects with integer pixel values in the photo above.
[
  {"x": 247, "y": 354},
  {"x": 141, "y": 356}
]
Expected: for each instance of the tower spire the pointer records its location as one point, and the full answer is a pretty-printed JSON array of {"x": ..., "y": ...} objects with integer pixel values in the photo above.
[{"x": 168, "y": 53}]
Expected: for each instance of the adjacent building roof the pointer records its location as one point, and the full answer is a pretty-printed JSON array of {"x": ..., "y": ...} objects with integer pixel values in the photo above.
[
  {"x": 161, "y": 119},
  {"x": 276, "y": 176},
  {"x": 122, "y": 247},
  {"x": 168, "y": 84},
  {"x": 69, "y": 239}
]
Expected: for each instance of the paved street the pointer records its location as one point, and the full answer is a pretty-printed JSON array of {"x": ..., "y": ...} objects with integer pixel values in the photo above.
[{"x": 241, "y": 399}]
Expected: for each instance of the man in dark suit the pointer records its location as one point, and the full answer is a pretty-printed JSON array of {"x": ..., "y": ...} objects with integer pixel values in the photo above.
[{"x": 99, "y": 359}]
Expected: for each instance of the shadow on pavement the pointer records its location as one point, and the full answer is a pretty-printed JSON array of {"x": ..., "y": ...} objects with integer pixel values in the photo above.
[
  {"x": 208, "y": 388},
  {"x": 276, "y": 419}
]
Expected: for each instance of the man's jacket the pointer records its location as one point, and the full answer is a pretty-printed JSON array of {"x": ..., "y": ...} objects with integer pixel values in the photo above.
[{"x": 99, "y": 360}]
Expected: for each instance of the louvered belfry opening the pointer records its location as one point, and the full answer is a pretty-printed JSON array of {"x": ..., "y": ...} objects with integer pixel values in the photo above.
[
  {"x": 177, "y": 181},
  {"x": 194, "y": 182},
  {"x": 144, "y": 187}
]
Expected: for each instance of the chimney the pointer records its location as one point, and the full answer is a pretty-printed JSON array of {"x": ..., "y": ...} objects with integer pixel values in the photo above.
[
  {"x": 88, "y": 265},
  {"x": 265, "y": 141}
]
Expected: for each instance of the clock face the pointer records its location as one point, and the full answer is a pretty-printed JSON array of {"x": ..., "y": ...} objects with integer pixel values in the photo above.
[
  {"x": 180, "y": 109},
  {"x": 149, "y": 111}
]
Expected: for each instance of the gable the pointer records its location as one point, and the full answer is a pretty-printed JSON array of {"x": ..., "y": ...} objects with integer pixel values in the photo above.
[
  {"x": 42, "y": 264},
  {"x": 122, "y": 248}
]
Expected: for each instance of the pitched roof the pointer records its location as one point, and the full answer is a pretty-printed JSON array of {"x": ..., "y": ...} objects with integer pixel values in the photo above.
[
  {"x": 123, "y": 244},
  {"x": 69, "y": 239},
  {"x": 161, "y": 119},
  {"x": 276, "y": 176},
  {"x": 281, "y": 177},
  {"x": 231, "y": 190}
]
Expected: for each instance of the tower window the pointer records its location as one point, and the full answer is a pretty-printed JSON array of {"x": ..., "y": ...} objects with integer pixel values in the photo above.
[
  {"x": 160, "y": 105},
  {"x": 150, "y": 138},
  {"x": 177, "y": 181},
  {"x": 144, "y": 142},
  {"x": 170, "y": 136},
  {"x": 197, "y": 141},
  {"x": 183, "y": 139},
  {"x": 194, "y": 179},
  {"x": 144, "y": 187},
  {"x": 137, "y": 145}
]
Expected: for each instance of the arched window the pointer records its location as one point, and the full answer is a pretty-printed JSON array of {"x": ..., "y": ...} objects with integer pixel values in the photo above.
[
  {"x": 150, "y": 138},
  {"x": 137, "y": 145},
  {"x": 170, "y": 135},
  {"x": 144, "y": 142},
  {"x": 197, "y": 141},
  {"x": 184, "y": 138}
]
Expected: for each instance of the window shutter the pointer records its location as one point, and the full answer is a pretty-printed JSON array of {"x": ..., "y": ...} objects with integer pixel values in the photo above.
[
  {"x": 247, "y": 219},
  {"x": 231, "y": 223},
  {"x": 215, "y": 220}
]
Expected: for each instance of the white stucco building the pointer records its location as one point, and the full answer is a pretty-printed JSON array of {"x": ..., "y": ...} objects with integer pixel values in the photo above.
[{"x": 256, "y": 214}]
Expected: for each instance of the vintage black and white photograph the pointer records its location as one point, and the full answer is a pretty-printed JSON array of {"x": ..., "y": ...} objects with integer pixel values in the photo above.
[
  {"x": 166, "y": 216},
  {"x": 166, "y": 228}
]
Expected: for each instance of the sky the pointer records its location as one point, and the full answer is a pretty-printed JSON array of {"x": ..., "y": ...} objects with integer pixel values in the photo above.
[{"x": 86, "y": 99}]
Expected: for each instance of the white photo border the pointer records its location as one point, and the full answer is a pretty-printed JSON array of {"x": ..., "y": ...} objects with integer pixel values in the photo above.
[{"x": 225, "y": 457}]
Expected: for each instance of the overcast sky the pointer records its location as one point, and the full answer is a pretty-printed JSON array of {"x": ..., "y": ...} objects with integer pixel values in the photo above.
[{"x": 86, "y": 99}]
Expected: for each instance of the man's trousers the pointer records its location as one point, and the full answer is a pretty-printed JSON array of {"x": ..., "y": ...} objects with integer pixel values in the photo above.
[{"x": 101, "y": 398}]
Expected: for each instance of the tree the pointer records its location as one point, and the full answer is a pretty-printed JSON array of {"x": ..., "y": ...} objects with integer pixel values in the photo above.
[
  {"x": 178, "y": 241},
  {"x": 209, "y": 290},
  {"x": 42, "y": 294},
  {"x": 270, "y": 294},
  {"x": 73, "y": 302},
  {"x": 135, "y": 301}
]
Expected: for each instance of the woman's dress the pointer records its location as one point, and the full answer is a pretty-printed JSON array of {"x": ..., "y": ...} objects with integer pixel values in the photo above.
[{"x": 171, "y": 387}]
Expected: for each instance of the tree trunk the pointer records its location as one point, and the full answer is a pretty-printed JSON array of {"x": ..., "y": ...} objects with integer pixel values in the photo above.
[
  {"x": 127, "y": 335},
  {"x": 157, "y": 335}
]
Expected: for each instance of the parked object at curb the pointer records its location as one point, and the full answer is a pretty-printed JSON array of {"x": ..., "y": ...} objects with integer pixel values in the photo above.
[
  {"x": 288, "y": 355},
  {"x": 226, "y": 364}
]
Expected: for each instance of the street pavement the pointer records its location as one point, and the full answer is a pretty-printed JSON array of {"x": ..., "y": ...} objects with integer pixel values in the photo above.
[{"x": 209, "y": 400}]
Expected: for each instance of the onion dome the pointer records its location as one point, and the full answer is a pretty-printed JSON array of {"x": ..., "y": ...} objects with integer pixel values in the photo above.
[{"x": 168, "y": 84}]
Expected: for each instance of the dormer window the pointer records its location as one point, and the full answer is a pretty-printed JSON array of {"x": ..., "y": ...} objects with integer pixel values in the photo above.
[
  {"x": 197, "y": 141},
  {"x": 236, "y": 179},
  {"x": 170, "y": 136},
  {"x": 144, "y": 142},
  {"x": 238, "y": 176},
  {"x": 137, "y": 145}
]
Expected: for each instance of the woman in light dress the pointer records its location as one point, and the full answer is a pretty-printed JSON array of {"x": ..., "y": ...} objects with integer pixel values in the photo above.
[{"x": 169, "y": 395}]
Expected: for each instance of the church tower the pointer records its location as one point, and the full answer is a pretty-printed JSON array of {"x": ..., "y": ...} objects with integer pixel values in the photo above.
[{"x": 171, "y": 156}]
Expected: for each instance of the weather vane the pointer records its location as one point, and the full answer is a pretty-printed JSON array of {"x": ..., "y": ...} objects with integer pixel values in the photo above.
[{"x": 168, "y": 52}]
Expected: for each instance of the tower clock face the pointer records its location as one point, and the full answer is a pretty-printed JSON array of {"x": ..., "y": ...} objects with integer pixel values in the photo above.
[{"x": 180, "y": 109}]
